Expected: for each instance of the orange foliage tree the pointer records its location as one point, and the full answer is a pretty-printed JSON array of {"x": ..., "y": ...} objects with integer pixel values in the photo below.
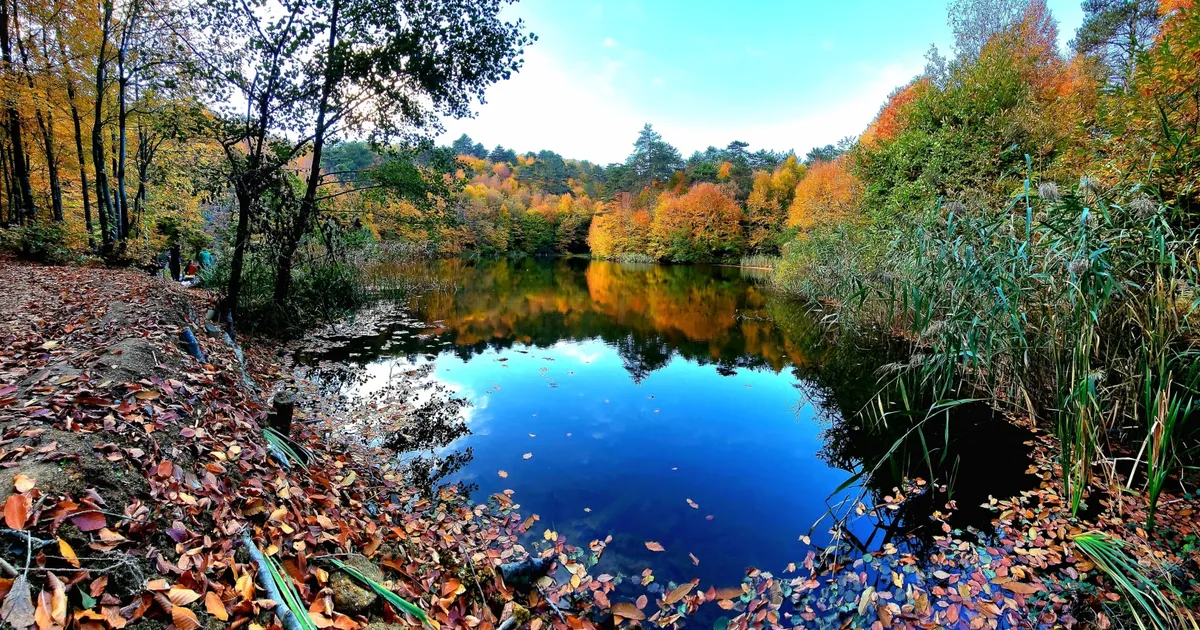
[
  {"x": 827, "y": 194},
  {"x": 703, "y": 224}
]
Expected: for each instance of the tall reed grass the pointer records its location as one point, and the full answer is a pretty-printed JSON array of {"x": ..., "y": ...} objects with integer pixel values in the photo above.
[{"x": 1079, "y": 309}]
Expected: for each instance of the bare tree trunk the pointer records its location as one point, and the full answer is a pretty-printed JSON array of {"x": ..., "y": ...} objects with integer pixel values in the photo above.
[
  {"x": 122, "y": 145},
  {"x": 308, "y": 206},
  {"x": 83, "y": 178},
  {"x": 103, "y": 194},
  {"x": 19, "y": 160}
]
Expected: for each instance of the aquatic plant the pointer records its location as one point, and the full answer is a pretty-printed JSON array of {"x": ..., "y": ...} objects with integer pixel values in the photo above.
[{"x": 1151, "y": 604}]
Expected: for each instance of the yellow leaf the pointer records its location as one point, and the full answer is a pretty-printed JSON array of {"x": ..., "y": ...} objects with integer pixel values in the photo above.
[{"x": 68, "y": 553}]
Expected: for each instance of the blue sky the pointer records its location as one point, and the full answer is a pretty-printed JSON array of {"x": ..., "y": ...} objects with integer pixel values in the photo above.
[{"x": 783, "y": 74}]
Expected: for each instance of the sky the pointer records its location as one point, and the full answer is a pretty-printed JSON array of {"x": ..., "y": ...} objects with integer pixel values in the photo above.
[{"x": 778, "y": 74}]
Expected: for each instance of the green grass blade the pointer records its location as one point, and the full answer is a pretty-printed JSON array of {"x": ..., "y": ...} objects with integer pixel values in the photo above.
[{"x": 395, "y": 600}]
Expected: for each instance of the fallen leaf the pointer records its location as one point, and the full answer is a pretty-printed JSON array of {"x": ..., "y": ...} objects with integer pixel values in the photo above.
[
  {"x": 503, "y": 474},
  {"x": 694, "y": 505},
  {"x": 184, "y": 619},
  {"x": 89, "y": 521},
  {"x": 641, "y": 602},
  {"x": 16, "y": 511},
  {"x": 68, "y": 553},
  {"x": 653, "y": 546},
  {"x": 527, "y": 456},
  {"x": 627, "y": 610},
  {"x": 23, "y": 482},
  {"x": 695, "y": 560},
  {"x": 215, "y": 607},
  {"x": 182, "y": 596},
  {"x": 17, "y": 608},
  {"x": 679, "y": 593}
]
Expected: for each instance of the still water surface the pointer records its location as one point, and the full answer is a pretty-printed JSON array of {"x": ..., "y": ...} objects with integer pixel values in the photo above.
[{"x": 683, "y": 405}]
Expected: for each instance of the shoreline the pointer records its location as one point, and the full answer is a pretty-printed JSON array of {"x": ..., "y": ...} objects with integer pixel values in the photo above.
[{"x": 126, "y": 451}]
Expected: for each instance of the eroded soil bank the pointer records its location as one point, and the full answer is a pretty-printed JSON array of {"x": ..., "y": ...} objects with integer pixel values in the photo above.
[{"x": 132, "y": 470}]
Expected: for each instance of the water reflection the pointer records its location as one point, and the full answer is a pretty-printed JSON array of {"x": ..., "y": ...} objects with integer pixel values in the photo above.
[{"x": 609, "y": 393}]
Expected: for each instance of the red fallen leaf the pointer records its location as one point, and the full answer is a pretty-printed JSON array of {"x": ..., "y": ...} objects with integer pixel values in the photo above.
[
  {"x": 165, "y": 468},
  {"x": 641, "y": 602},
  {"x": 89, "y": 521},
  {"x": 653, "y": 546},
  {"x": 93, "y": 401},
  {"x": 16, "y": 511},
  {"x": 709, "y": 517}
]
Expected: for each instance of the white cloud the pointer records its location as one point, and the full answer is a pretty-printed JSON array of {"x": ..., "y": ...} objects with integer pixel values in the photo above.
[
  {"x": 610, "y": 42},
  {"x": 579, "y": 113},
  {"x": 575, "y": 112}
]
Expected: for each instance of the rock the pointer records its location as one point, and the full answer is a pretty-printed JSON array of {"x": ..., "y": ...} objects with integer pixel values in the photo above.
[
  {"x": 350, "y": 595},
  {"x": 212, "y": 331}
]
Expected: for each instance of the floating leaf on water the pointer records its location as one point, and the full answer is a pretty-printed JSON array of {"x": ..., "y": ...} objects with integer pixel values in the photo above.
[
  {"x": 653, "y": 546},
  {"x": 695, "y": 560},
  {"x": 503, "y": 474},
  {"x": 695, "y": 506},
  {"x": 628, "y": 611},
  {"x": 527, "y": 456}
]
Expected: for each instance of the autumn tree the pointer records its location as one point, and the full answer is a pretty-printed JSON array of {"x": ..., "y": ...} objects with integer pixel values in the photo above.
[
  {"x": 827, "y": 194},
  {"x": 310, "y": 71},
  {"x": 703, "y": 224}
]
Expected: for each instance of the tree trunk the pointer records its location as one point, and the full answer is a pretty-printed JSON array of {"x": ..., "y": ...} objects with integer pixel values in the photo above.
[
  {"x": 241, "y": 239},
  {"x": 20, "y": 164},
  {"x": 308, "y": 206},
  {"x": 122, "y": 144},
  {"x": 83, "y": 179},
  {"x": 103, "y": 195}
]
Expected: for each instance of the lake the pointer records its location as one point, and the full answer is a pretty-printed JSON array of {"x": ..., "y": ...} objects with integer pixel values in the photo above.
[{"x": 683, "y": 405}]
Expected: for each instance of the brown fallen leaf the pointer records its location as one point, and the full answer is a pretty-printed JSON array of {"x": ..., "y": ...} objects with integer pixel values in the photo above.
[
  {"x": 695, "y": 560},
  {"x": 215, "y": 607},
  {"x": 17, "y": 608},
  {"x": 184, "y": 619},
  {"x": 679, "y": 593},
  {"x": 1022, "y": 588},
  {"x": 16, "y": 511},
  {"x": 181, "y": 596},
  {"x": 23, "y": 482},
  {"x": 653, "y": 546},
  {"x": 627, "y": 610}
]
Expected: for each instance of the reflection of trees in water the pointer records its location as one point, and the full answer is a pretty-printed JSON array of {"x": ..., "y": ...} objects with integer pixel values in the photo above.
[
  {"x": 432, "y": 426},
  {"x": 432, "y": 417},
  {"x": 707, "y": 315}
]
